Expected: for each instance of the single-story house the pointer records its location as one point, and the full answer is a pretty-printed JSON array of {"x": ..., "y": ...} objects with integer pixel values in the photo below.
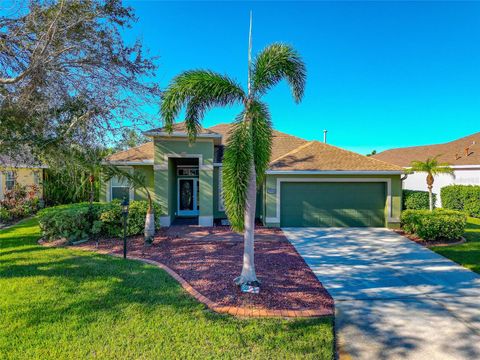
[
  {"x": 21, "y": 170},
  {"x": 309, "y": 183},
  {"x": 462, "y": 154}
]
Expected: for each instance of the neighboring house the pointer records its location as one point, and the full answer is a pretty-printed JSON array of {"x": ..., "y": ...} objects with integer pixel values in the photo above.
[
  {"x": 20, "y": 170},
  {"x": 308, "y": 183},
  {"x": 463, "y": 155}
]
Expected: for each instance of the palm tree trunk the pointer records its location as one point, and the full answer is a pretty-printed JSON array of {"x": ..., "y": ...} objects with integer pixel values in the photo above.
[
  {"x": 248, "y": 270},
  {"x": 430, "y": 197},
  {"x": 149, "y": 231}
]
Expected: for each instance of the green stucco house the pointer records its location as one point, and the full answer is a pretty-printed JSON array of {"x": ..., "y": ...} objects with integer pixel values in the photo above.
[{"x": 309, "y": 183}]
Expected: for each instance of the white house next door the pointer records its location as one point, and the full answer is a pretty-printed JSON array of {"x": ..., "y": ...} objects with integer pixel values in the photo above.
[{"x": 188, "y": 197}]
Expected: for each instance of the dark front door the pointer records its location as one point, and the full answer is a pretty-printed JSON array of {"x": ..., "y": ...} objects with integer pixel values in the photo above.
[{"x": 187, "y": 197}]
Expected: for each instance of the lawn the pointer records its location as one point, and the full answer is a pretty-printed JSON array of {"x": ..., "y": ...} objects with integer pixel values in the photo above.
[
  {"x": 467, "y": 254},
  {"x": 61, "y": 303}
]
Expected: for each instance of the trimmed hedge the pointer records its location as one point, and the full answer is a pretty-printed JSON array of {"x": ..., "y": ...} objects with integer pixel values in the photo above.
[
  {"x": 78, "y": 221},
  {"x": 416, "y": 200},
  {"x": 439, "y": 224},
  {"x": 462, "y": 198}
]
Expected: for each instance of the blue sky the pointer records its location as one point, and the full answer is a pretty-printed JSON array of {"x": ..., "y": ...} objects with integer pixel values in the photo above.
[{"x": 380, "y": 74}]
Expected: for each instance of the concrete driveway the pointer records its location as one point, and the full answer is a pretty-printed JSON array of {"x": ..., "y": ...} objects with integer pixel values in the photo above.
[{"x": 394, "y": 299}]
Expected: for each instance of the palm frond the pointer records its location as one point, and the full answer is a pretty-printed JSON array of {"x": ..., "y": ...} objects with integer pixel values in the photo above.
[
  {"x": 431, "y": 166},
  {"x": 275, "y": 63},
  {"x": 236, "y": 171},
  {"x": 262, "y": 138},
  {"x": 198, "y": 91}
]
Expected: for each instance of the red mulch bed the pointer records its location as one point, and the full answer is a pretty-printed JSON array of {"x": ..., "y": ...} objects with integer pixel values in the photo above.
[
  {"x": 429, "y": 243},
  {"x": 210, "y": 258}
]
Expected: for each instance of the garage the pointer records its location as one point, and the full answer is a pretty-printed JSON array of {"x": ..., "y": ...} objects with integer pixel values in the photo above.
[{"x": 332, "y": 204}]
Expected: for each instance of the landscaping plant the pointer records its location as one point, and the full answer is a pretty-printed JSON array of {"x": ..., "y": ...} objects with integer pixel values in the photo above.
[
  {"x": 462, "y": 197},
  {"x": 20, "y": 202},
  {"x": 432, "y": 168},
  {"x": 73, "y": 222},
  {"x": 137, "y": 180},
  {"x": 439, "y": 224},
  {"x": 416, "y": 200},
  {"x": 248, "y": 150}
]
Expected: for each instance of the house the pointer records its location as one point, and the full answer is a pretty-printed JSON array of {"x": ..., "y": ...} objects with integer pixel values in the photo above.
[
  {"x": 22, "y": 170},
  {"x": 462, "y": 154},
  {"x": 309, "y": 183}
]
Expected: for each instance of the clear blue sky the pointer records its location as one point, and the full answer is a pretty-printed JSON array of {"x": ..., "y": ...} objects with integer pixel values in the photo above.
[{"x": 380, "y": 74}]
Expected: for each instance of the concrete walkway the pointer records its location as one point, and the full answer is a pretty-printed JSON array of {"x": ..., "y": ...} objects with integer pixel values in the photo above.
[{"x": 394, "y": 299}]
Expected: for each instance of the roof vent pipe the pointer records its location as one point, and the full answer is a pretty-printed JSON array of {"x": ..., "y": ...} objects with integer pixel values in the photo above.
[{"x": 325, "y": 136}]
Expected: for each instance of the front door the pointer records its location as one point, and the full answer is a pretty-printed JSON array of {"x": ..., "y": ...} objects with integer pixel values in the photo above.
[{"x": 188, "y": 197}]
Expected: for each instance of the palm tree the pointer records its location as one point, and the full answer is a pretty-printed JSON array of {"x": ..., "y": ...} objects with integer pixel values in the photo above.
[
  {"x": 248, "y": 150},
  {"x": 432, "y": 167},
  {"x": 137, "y": 180}
]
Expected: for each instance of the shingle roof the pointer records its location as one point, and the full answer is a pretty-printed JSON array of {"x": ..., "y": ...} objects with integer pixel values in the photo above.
[
  {"x": 281, "y": 142},
  {"x": 289, "y": 153},
  {"x": 453, "y": 152},
  {"x": 315, "y": 156},
  {"x": 140, "y": 153}
]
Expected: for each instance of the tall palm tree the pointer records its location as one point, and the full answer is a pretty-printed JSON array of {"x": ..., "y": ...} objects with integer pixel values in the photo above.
[
  {"x": 248, "y": 150},
  {"x": 432, "y": 167}
]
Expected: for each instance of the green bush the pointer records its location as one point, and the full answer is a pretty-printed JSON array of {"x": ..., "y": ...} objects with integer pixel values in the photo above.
[
  {"x": 73, "y": 222},
  {"x": 4, "y": 215},
  {"x": 416, "y": 200},
  {"x": 462, "y": 198},
  {"x": 76, "y": 221},
  {"x": 112, "y": 219},
  {"x": 439, "y": 224}
]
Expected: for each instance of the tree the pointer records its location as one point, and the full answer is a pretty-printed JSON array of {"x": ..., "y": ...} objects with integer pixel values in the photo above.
[
  {"x": 432, "y": 167},
  {"x": 137, "y": 180},
  {"x": 130, "y": 138},
  {"x": 248, "y": 149},
  {"x": 67, "y": 75},
  {"x": 374, "y": 152}
]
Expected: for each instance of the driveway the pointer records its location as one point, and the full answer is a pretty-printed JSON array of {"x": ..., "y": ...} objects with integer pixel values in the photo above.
[{"x": 394, "y": 299}]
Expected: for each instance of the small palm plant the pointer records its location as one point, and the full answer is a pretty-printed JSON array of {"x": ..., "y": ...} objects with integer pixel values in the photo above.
[
  {"x": 248, "y": 150},
  {"x": 137, "y": 180},
  {"x": 432, "y": 167}
]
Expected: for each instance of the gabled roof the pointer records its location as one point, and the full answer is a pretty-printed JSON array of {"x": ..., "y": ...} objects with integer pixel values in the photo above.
[
  {"x": 289, "y": 153},
  {"x": 178, "y": 129},
  {"x": 317, "y": 156},
  {"x": 142, "y": 153},
  {"x": 281, "y": 142},
  {"x": 454, "y": 152}
]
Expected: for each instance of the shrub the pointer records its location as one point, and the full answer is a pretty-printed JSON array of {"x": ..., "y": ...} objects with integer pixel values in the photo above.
[
  {"x": 21, "y": 201},
  {"x": 434, "y": 225},
  {"x": 76, "y": 221},
  {"x": 4, "y": 215},
  {"x": 112, "y": 219},
  {"x": 416, "y": 200},
  {"x": 462, "y": 198},
  {"x": 73, "y": 222}
]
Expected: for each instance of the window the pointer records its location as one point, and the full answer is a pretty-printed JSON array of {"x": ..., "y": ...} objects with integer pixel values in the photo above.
[
  {"x": 10, "y": 180},
  {"x": 221, "y": 204},
  {"x": 119, "y": 188},
  {"x": 187, "y": 171}
]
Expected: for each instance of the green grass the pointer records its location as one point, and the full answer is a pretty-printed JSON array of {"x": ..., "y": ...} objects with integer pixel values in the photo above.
[
  {"x": 467, "y": 254},
  {"x": 61, "y": 303}
]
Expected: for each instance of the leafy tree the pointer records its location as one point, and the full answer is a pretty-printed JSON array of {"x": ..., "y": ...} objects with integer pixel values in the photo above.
[
  {"x": 249, "y": 147},
  {"x": 432, "y": 168},
  {"x": 137, "y": 180},
  {"x": 66, "y": 74},
  {"x": 374, "y": 152},
  {"x": 130, "y": 138}
]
